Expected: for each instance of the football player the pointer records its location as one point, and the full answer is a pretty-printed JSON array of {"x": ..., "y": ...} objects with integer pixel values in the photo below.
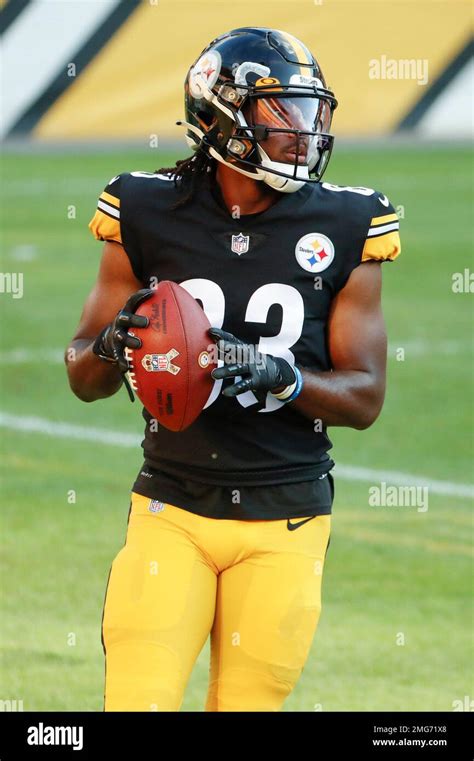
[{"x": 229, "y": 521}]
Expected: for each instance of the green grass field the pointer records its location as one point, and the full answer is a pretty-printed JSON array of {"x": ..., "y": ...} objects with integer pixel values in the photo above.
[{"x": 389, "y": 570}]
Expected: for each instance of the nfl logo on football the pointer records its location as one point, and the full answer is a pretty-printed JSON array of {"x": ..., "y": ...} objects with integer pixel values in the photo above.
[
  {"x": 240, "y": 243},
  {"x": 160, "y": 362}
]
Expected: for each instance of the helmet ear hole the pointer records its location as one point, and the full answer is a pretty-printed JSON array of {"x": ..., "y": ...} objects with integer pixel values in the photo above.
[
  {"x": 205, "y": 117},
  {"x": 206, "y": 120}
]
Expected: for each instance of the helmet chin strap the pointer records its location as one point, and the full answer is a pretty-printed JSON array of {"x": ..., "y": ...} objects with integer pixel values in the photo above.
[
  {"x": 257, "y": 175},
  {"x": 275, "y": 181},
  {"x": 287, "y": 186}
]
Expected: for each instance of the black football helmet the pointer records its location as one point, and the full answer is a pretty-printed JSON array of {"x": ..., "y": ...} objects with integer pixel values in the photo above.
[{"x": 255, "y": 91}]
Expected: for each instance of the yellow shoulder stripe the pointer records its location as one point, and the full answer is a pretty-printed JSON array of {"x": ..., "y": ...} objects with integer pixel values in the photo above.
[
  {"x": 382, "y": 247},
  {"x": 110, "y": 199},
  {"x": 385, "y": 218}
]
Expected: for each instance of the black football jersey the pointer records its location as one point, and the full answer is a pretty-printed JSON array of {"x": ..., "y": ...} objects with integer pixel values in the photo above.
[{"x": 269, "y": 278}]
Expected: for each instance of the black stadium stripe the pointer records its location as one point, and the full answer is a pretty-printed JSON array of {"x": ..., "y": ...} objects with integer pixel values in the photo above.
[
  {"x": 411, "y": 119},
  {"x": 82, "y": 58},
  {"x": 11, "y": 12}
]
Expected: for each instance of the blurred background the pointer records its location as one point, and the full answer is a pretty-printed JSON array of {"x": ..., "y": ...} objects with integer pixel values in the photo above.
[
  {"x": 92, "y": 88},
  {"x": 108, "y": 70}
]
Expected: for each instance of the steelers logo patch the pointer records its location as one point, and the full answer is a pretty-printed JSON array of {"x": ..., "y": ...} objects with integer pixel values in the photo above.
[{"x": 314, "y": 252}]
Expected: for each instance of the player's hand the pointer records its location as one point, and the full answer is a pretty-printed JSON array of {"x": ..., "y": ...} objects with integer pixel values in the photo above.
[
  {"x": 112, "y": 340},
  {"x": 260, "y": 372}
]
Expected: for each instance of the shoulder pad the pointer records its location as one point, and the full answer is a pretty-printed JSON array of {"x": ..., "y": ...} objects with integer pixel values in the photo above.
[
  {"x": 105, "y": 224},
  {"x": 383, "y": 238}
]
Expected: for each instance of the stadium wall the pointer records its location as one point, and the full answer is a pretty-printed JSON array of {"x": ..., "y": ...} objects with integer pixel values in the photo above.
[{"x": 114, "y": 69}]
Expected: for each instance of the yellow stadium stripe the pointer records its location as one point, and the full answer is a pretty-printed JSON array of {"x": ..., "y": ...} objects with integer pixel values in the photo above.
[
  {"x": 383, "y": 247},
  {"x": 93, "y": 106},
  {"x": 104, "y": 227},
  {"x": 382, "y": 220},
  {"x": 110, "y": 199}
]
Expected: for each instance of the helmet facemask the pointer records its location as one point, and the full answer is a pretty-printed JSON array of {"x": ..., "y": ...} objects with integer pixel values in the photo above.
[{"x": 283, "y": 136}]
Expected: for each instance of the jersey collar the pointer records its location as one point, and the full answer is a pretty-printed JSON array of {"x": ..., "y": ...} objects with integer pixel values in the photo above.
[{"x": 283, "y": 205}]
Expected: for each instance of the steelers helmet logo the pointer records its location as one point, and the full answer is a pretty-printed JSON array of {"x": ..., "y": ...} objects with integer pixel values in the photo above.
[
  {"x": 314, "y": 252},
  {"x": 204, "y": 73}
]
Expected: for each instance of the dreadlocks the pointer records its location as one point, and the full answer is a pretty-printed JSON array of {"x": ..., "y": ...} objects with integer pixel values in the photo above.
[{"x": 189, "y": 172}]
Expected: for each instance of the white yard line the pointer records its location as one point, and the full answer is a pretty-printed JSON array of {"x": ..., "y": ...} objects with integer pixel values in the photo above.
[
  {"x": 23, "y": 356},
  {"x": 418, "y": 347},
  {"x": 397, "y": 478},
  {"x": 412, "y": 348},
  {"x": 28, "y": 424},
  {"x": 68, "y": 431}
]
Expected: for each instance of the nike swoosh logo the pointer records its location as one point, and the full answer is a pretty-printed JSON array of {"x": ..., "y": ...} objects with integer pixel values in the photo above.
[
  {"x": 384, "y": 201},
  {"x": 292, "y": 526}
]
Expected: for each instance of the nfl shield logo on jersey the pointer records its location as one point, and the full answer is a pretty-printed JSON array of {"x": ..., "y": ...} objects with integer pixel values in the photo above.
[{"x": 240, "y": 243}]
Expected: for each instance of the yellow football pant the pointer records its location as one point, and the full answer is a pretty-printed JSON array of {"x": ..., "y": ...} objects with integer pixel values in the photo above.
[{"x": 254, "y": 586}]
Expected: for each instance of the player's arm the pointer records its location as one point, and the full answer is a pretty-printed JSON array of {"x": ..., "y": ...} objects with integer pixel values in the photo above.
[
  {"x": 352, "y": 394},
  {"x": 90, "y": 377}
]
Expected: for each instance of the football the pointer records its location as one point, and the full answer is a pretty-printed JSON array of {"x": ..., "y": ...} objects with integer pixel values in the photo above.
[{"x": 171, "y": 372}]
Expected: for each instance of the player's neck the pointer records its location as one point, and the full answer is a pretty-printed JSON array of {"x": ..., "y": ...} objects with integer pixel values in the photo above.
[{"x": 237, "y": 190}]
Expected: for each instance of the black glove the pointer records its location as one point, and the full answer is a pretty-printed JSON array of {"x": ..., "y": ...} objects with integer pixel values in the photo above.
[
  {"x": 260, "y": 372},
  {"x": 112, "y": 340}
]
